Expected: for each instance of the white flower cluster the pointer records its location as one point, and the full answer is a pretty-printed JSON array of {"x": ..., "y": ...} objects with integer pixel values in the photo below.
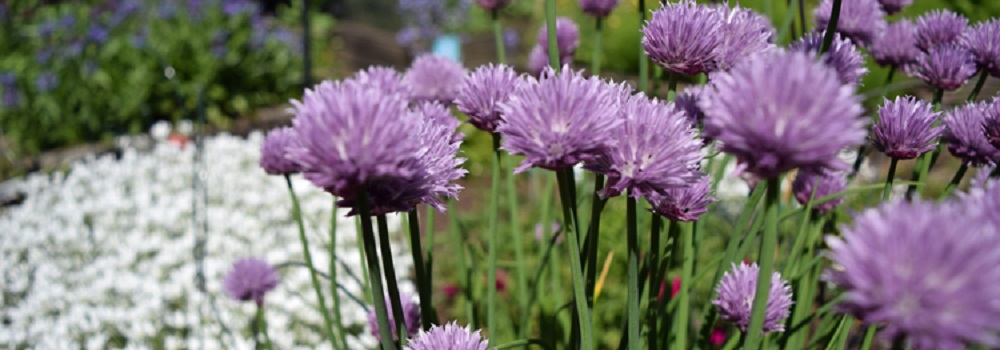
[{"x": 104, "y": 255}]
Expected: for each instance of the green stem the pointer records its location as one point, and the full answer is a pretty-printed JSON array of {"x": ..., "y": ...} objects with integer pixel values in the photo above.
[
  {"x": 594, "y": 235},
  {"x": 419, "y": 267},
  {"x": 596, "y": 67},
  {"x": 643, "y": 61},
  {"x": 520, "y": 271},
  {"x": 766, "y": 262},
  {"x": 831, "y": 27},
  {"x": 633, "y": 273},
  {"x": 887, "y": 191},
  {"x": 498, "y": 36},
  {"x": 802, "y": 16},
  {"x": 869, "y": 337},
  {"x": 463, "y": 265},
  {"x": 671, "y": 86},
  {"x": 955, "y": 180},
  {"x": 260, "y": 328},
  {"x": 586, "y": 335},
  {"x": 335, "y": 296},
  {"x": 839, "y": 339},
  {"x": 682, "y": 323},
  {"x": 979, "y": 85},
  {"x": 361, "y": 248},
  {"x": 491, "y": 291},
  {"x": 550, "y": 24},
  {"x": 375, "y": 272},
  {"x": 655, "y": 276},
  {"x": 297, "y": 213},
  {"x": 390, "y": 278}
]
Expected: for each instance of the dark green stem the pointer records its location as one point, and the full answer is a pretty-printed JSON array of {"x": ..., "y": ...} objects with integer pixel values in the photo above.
[
  {"x": 297, "y": 213},
  {"x": 887, "y": 191},
  {"x": 491, "y": 292},
  {"x": 390, "y": 278},
  {"x": 655, "y": 276},
  {"x": 550, "y": 24},
  {"x": 802, "y": 16},
  {"x": 596, "y": 67},
  {"x": 643, "y": 61},
  {"x": 682, "y": 323},
  {"x": 374, "y": 272},
  {"x": 419, "y": 267},
  {"x": 498, "y": 36},
  {"x": 335, "y": 296},
  {"x": 594, "y": 235},
  {"x": 260, "y": 328},
  {"x": 866, "y": 343},
  {"x": 831, "y": 28},
  {"x": 979, "y": 85},
  {"x": 671, "y": 86},
  {"x": 570, "y": 227},
  {"x": 955, "y": 180},
  {"x": 766, "y": 262},
  {"x": 632, "y": 235}
]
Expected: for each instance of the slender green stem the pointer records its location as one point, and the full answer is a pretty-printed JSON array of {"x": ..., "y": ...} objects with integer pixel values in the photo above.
[
  {"x": 866, "y": 344},
  {"x": 594, "y": 235},
  {"x": 297, "y": 213},
  {"x": 463, "y": 265},
  {"x": 633, "y": 273},
  {"x": 520, "y": 271},
  {"x": 655, "y": 276},
  {"x": 671, "y": 86},
  {"x": 887, "y": 191},
  {"x": 955, "y": 180},
  {"x": 260, "y": 330},
  {"x": 802, "y": 17},
  {"x": 596, "y": 67},
  {"x": 683, "y": 323},
  {"x": 491, "y": 292},
  {"x": 498, "y": 36},
  {"x": 361, "y": 248},
  {"x": 766, "y": 262},
  {"x": 375, "y": 272},
  {"x": 831, "y": 27},
  {"x": 335, "y": 296},
  {"x": 643, "y": 61},
  {"x": 390, "y": 278},
  {"x": 979, "y": 85},
  {"x": 587, "y": 334},
  {"x": 839, "y": 339},
  {"x": 423, "y": 289},
  {"x": 550, "y": 24}
]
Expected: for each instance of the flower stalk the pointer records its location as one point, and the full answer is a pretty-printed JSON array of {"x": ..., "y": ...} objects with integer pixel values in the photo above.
[{"x": 766, "y": 262}]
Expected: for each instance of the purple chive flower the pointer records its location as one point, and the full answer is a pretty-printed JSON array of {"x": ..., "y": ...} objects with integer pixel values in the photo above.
[
  {"x": 780, "y": 111},
  {"x": 687, "y": 102},
  {"x": 250, "y": 279},
  {"x": 892, "y": 7},
  {"x": 744, "y": 33},
  {"x": 920, "y": 271},
  {"x": 11, "y": 97},
  {"x": 964, "y": 135},
  {"x": 46, "y": 29},
  {"x": 386, "y": 79},
  {"x": 806, "y": 186},
  {"x": 492, "y": 4},
  {"x": 657, "y": 150},
  {"x": 538, "y": 60},
  {"x": 411, "y": 317},
  {"x": 983, "y": 41},
  {"x": 481, "y": 94},
  {"x": 946, "y": 67},
  {"x": 434, "y": 78},
  {"x": 940, "y": 27},
  {"x": 905, "y": 128},
  {"x": 439, "y": 153},
  {"x": 991, "y": 124},
  {"x": 982, "y": 178},
  {"x": 685, "y": 203},
  {"x": 683, "y": 37},
  {"x": 274, "y": 149},
  {"x": 448, "y": 337},
  {"x": 897, "y": 46},
  {"x": 355, "y": 137},
  {"x": 843, "y": 56},
  {"x": 97, "y": 34},
  {"x": 567, "y": 37},
  {"x": 47, "y": 81},
  {"x": 737, "y": 290},
  {"x": 860, "y": 20},
  {"x": 559, "y": 120},
  {"x": 598, "y": 8}
]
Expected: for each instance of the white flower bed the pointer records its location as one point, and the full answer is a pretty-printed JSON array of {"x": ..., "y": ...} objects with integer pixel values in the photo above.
[{"x": 104, "y": 254}]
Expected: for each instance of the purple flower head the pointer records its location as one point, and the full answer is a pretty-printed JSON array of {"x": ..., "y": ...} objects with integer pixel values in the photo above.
[
  {"x": 355, "y": 137},
  {"x": 538, "y": 60},
  {"x": 983, "y": 40},
  {"x": 482, "y": 92},
  {"x": 843, "y": 56},
  {"x": 97, "y": 34},
  {"x": 657, "y": 150},
  {"x": 67, "y": 22},
  {"x": 940, "y": 27},
  {"x": 11, "y": 97},
  {"x": 411, "y": 317},
  {"x": 274, "y": 149},
  {"x": 47, "y": 81},
  {"x": 386, "y": 79},
  {"x": 559, "y": 120},
  {"x": 892, "y": 7},
  {"x": 439, "y": 153},
  {"x": 685, "y": 203},
  {"x": 43, "y": 56},
  {"x": 905, "y": 128},
  {"x": 922, "y": 271},
  {"x": 687, "y": 102},
  {"x": 250, "y": 279},
  {"x": 744, "y": 33},
  {"x": 982, "y": 178},
  {"x": 511, "y": 38},
  {"x": 8, "y": 79},
  {"x": 991, "y": 124},
  {"x": 737, "y": 290},
  {"x": 567, "y": 37},
  {"x": 448, "y": 337},
  {"x": 46, "y": 29},
  {"x": 860, "y": 20},
  {"x": 964, "y": 135},
  {"x": 492, "y": 4},
  {"x": 946, "y": 67},
  {"x": 598, "y": 8},
  {"x": 434, "y": 78},
  {"x": 237, "y": 7},
  {"x": 806, "y": 186},
  {"x": 683, "y": 37},
  {"x": 783, "y": 110},
  {"x": 897, "y": 46}
]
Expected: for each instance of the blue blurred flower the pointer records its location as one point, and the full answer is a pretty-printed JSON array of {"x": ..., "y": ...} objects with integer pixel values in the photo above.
[
  {"x": 8, "y": 79},
  {"x": 511, "y": 38},
  {"x": 47, "y": 28},
  {"x": 75, "y": 48},
  {"x": 122, "y": 12},
  {"x": 97, "y": 34},
  {"x": 67, "y": 22},
  {"x": 90, "y": 67},
  {"x": 11, "y": 97},
  {"x": 219, "y": 44},
  {"x": 43, "y": 56},
  {"x": 237, "y": 7},
  {"x": 47, "y": 81},
  {"x": 167, "y": 10},
  {"x": 138, "y": 40}
]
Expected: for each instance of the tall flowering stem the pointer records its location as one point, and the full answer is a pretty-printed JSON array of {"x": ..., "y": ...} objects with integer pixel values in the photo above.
[
  {"x": 594, "y": 234},
  {"x": 297, "y": 213},
  {"x": 335, "y": 296},
  {"x": 632, "y": 234},
  {"x": 260, "y": 327},
  {"x": 498, "y": 37},
  {"x": 655, "y": 276},
  {"x": 550, "y": 25},
  {"x": 643, "y": 61},
  {"x": 596, "y": 68},
  {"x": 831, "y": 28},
  {"x": 375, "y": 272},
  {"x": 955, "y": 180},
  {"x": 687, "y": 277},
  {"x": 766, "y": 262},
  {"x": 979, "y": 85},
  {"x": 571, "y": 227},
  {"x": 420, "y": 268},
  {"x": 491, "y": 272},
  {"x": 390, "y": 278},
  {"x": 887, "y": 191}
]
